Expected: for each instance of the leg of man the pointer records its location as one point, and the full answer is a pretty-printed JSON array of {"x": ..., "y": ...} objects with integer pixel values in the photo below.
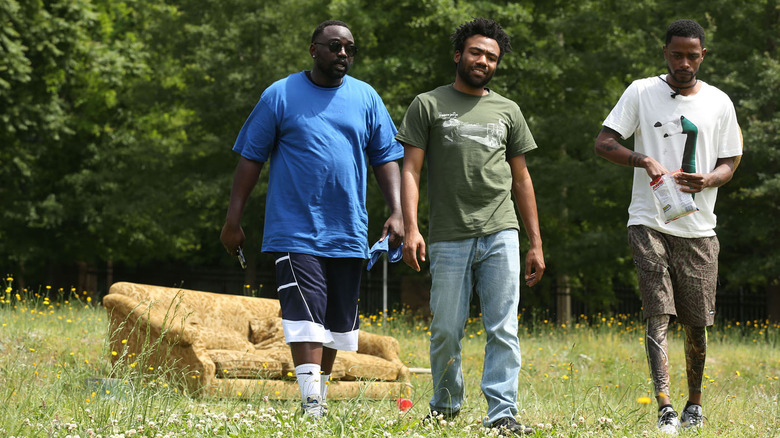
[
  {"x": 303, "y": 297},
  {"x": 694, "y": 264},
  {"x": 657, "y": 351},
  {"x": 306, "y": 358},
  {"x": 651, "y": 257},
  {"x": 341, "y": 314},
  {"x": 450, "y": 297},
  {"x": 695, "y": 356},
  {"x": 328, "y": 358},
  {"x": 497, "y": 275}
]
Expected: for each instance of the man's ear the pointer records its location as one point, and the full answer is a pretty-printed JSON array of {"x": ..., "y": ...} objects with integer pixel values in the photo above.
[{"x": 457, "y": 56}]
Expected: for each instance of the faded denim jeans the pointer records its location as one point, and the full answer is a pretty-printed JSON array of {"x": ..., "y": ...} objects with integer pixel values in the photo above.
[{"x": 490, "y": 266}]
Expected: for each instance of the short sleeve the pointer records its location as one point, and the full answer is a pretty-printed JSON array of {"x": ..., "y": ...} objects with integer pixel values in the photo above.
[
  {"x": 258, "y": 135},
  {"x": 382, "y": 146},
  {"x": 415, "y": 126},
  {"x": 520, "y": 140},
  {"x": 729, "y": 141},
  {"x": 624, "y": 117}
]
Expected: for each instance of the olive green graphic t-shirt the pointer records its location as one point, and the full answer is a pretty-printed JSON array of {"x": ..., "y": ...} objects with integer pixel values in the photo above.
[{"x": 467, "y": 141}]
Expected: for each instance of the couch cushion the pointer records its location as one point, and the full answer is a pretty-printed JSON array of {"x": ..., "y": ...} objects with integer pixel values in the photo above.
[
  {"x": 223, "y": 339},
  {"x": 239, "y": 365}
]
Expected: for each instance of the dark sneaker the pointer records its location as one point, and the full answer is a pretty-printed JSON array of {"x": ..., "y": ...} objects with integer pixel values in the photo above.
[
  {"x": 691, "y": 417},
  {"x": 667, "y": 421},
  {"x": 509, "y": 425}
]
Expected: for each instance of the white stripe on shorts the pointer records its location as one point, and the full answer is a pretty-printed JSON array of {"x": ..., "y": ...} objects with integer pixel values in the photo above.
[
  {"x": 283, "y": 258},
  {"x": 285, "y": 286}
]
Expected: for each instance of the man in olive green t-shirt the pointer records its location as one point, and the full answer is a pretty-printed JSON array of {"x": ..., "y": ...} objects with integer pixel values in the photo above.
[{"x": 475, "y": 142}]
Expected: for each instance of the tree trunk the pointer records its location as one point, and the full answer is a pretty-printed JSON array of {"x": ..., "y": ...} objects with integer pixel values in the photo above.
[
  {"x": 563, "y": 300},
  {"x": 773, "y": 302}
]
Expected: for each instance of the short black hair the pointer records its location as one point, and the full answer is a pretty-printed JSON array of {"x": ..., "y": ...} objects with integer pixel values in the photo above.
[
  {"x": 484, "y": 27},
  {"x": 323, "y": 25},
  {"x": 685, "y": 28}
]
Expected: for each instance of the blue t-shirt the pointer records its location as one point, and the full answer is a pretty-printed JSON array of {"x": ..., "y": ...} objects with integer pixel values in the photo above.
[{"x": 318, "y": 141}]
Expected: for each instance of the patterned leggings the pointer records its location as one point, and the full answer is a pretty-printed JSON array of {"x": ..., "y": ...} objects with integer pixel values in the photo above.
[{"x": 658, "y": 354}]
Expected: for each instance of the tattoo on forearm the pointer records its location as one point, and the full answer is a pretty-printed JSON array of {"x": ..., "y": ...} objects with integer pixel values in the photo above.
[
  {"x": 608, "y": 147},
  {"x": 635, "y": 159}
]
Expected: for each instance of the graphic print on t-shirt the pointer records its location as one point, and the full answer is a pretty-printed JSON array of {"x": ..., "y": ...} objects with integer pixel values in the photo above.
[
  {"x": 684, "y": 126},
  {"x": 456, "y": 131}
]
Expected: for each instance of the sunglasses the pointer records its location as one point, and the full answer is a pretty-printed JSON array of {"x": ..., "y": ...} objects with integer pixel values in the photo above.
[{"x": 335, "y": 47}]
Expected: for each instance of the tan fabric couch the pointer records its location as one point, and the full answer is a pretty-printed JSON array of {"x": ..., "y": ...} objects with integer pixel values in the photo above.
[{"x": 229, "y": 345}]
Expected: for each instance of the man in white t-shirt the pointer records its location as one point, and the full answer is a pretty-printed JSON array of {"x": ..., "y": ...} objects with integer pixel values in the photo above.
[{"x": 687, "y": 128}]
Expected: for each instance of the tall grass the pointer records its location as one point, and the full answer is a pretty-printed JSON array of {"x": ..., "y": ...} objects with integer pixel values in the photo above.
[{"x": 581, "y": 379}]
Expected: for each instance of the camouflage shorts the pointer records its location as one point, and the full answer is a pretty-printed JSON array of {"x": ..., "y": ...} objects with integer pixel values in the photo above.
[{"x": 677, "y": 276}]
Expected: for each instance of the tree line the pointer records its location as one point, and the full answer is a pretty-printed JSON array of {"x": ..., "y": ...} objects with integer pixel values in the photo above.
[{"x": 117, "y": 119}]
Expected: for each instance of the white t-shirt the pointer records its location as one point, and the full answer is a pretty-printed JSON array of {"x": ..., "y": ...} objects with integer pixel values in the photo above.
[{"x": 704, "y": 123}]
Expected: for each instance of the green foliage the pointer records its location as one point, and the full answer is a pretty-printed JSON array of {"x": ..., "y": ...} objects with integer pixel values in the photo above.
[
  {"x": 749, "y": 71},
  {"x": 117, "y": 118}
]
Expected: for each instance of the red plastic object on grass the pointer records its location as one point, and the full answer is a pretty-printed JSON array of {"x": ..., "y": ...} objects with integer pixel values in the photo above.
[{"x": 404, "y": 404}]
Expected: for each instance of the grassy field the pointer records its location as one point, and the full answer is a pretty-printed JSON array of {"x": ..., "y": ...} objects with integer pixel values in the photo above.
[{"x": 588, "y": 378}]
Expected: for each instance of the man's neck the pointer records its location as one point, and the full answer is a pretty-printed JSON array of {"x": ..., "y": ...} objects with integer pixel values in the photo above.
[
  {"x": 323, "y": 81},
  {"x": 688, "y": 89},
  {"x": 463, "y": 87}
]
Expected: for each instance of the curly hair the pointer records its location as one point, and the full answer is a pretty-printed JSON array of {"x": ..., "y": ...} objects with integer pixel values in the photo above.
[
  {"x": 318, "y": 31},
  {"x": 484, "y": 27},
  {"x": 685, "y": 28}
]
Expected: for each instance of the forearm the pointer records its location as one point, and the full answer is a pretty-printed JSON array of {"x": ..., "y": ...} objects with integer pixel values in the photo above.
[
  {"x": 723, "y": 172},
  {"x": 410, "y": 186},
  {"x": 525, "y": 199},
  {"x": 611, "y": 150},
  {"x": 389, "y": 180},
  {"x": 696, "y": 182},
  {"x": 410, "y": 198},
  {"x": 608, "y": 147}
]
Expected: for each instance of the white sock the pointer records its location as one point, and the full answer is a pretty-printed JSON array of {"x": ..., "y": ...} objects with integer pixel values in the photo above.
[
  {"x": 325, "y": 378},
  {"x": 308, "y": 375}
]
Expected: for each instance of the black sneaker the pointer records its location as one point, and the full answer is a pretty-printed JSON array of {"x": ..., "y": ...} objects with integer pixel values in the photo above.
[
  {"x": 508, "y": 425},
  {"x": 668, "y": 422},
  {"x": 691, "y": 417}
]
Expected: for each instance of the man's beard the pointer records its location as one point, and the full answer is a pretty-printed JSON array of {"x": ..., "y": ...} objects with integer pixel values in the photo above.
[
  {"x": 680, "y": 81},
  {"x": 470, "y": 80},
  {"x": 329, "y": 68}
]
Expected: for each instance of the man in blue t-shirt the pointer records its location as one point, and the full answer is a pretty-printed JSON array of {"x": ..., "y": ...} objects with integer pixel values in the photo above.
[{"x": 319, "y": 129}]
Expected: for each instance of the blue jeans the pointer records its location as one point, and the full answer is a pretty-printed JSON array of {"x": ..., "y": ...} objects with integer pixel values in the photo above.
[{"x": 489, "y": 265}]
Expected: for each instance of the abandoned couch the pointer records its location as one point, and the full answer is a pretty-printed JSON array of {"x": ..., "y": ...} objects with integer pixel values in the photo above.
[{"x": 233, "y": 346}]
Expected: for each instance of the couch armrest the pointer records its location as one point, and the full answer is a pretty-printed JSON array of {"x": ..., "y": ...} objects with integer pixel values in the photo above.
[
  {"x": 170, "y": 322},
  {"x": 382, "y": 346}
]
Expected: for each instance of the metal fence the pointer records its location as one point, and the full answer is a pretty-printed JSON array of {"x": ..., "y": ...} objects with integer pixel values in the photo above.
[{"x": 731, "y": 305}]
